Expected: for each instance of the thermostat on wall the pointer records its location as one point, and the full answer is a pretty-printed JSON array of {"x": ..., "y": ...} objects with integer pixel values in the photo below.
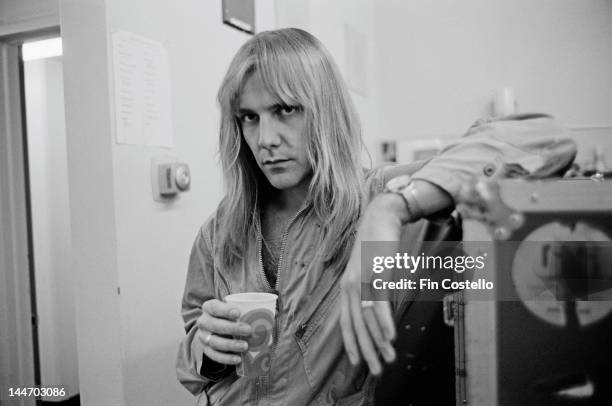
[{"x": 169, "y": 177}]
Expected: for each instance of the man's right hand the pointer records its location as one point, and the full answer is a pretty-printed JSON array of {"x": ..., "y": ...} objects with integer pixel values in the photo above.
[{"x": 216, "y": 325}]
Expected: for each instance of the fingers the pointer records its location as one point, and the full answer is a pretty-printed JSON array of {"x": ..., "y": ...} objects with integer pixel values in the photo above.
[
  {"x": 346, "y": 326},
  {"x": 216, "y": 325},
  {"x": 220, "y": 318},
  {"x": 376, "y": 331},
  {"x": 222, "y": 344},
  {"x": 368, "y": 350},
  {"x": 217, "y": 308},
  {"x": 221, "y": 357},
  {"x": 366, "y": 332},
  {"x": 384, "y": 315}
]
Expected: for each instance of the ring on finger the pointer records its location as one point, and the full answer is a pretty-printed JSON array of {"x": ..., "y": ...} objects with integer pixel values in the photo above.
[
  {"x": 366, "y": 304},
  {"x": 207, "y": 338}
]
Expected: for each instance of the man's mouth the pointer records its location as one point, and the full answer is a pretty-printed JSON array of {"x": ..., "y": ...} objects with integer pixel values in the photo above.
[{"x": 275, "y": 161}]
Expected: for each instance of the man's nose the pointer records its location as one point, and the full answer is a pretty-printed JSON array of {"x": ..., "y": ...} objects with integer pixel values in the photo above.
[{"x": 269, "y": 133}]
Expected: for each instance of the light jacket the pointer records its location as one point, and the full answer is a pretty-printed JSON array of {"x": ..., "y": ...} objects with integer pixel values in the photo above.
[{"x": 309, "y": 364}]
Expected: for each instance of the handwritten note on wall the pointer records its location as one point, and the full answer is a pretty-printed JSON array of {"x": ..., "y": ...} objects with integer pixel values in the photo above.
[{"x": 143, "y": 111}]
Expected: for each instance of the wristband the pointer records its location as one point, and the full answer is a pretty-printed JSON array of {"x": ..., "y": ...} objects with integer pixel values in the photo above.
[{"x": 403, "y": 186}]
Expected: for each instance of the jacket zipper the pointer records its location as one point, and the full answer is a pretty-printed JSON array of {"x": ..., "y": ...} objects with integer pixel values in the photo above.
[
  {"x": 285, "y": 235},
  {"x": 278, "y": 269},
  {"x": 259, "y": 256},
  {"x": 280, "y": 258}
]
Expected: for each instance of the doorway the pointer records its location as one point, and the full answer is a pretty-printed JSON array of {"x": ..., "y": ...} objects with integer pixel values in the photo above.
[{"x": 37, "y": 330}]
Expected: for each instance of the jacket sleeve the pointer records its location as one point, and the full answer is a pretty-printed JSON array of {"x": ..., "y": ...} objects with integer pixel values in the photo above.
[
  {"x": 528, "y": 145},
  {"x": 196, "y": 371}
]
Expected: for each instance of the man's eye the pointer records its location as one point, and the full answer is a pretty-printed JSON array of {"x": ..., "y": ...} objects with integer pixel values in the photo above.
[
  {"x": 288, "y": 110},
  {"x": 248, "y": 118}
]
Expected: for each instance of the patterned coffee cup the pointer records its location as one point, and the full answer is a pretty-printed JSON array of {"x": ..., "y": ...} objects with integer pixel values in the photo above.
[{"x": 256, "y": 309}]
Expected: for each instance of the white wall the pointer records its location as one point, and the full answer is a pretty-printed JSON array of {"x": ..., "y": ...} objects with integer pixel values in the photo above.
[
  {"x": 121, "y": 237},
  {"x": 48, "y": 175},
  {"x": 440, "y": 61}
]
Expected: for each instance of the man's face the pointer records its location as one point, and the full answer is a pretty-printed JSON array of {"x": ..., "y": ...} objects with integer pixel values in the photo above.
[{"x": 276, "y": 134}]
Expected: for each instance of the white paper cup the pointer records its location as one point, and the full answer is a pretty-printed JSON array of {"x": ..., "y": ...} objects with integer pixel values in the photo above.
[{"x": 258, "y": 310}]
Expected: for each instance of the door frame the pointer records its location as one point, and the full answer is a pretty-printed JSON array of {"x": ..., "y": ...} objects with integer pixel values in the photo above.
[{"x": 19, "y": 359}]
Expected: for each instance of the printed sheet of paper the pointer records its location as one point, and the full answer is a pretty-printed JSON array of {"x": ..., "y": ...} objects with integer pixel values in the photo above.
[{"x": 143, "y": 112}]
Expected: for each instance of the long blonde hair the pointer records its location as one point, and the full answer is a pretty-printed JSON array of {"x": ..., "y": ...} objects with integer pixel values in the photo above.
[{"x": 297, "y": 69}]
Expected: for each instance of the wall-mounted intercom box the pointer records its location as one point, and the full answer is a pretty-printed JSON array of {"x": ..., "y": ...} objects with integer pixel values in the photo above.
[{"x": 169, "y": 177}]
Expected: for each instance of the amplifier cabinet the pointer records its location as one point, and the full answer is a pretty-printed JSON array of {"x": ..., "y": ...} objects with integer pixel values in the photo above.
[{"x": 538, "y": 346}]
